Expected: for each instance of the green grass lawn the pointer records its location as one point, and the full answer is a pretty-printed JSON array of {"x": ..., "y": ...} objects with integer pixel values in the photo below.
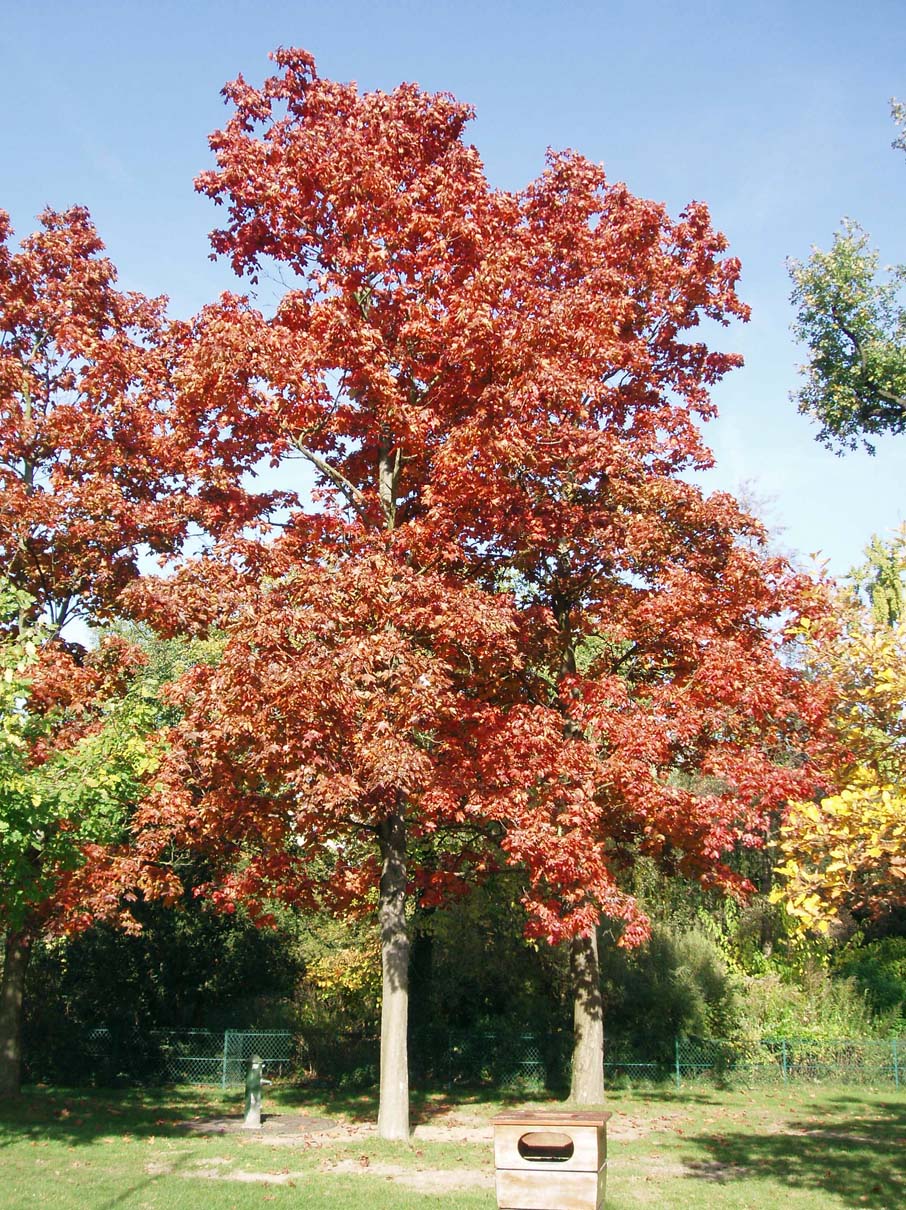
[{"x": 699, "y": 1149}]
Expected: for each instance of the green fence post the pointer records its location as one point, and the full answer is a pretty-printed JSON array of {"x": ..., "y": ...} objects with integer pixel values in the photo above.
[
  {"x": 226, "y": 1048},
  {"x": 783, "y": 1060},
  {"x": 676, "y": 1048},
  {"x": 896, "y": 1063}
]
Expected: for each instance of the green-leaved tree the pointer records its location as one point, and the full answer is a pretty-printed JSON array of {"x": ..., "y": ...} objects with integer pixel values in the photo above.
[{"x": 851, "y": 317}]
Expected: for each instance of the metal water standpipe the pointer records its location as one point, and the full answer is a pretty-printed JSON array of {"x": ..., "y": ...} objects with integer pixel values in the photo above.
[{"x": 254, "y": 1082}]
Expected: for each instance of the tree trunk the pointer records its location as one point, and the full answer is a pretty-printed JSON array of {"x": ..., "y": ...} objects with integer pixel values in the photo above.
[
  {"x": 587, "y": 1087},
  {"x": 587, "y": 1084},
  {"x": 12, "y": 986},
  {"x": 393, "y": 1114}
]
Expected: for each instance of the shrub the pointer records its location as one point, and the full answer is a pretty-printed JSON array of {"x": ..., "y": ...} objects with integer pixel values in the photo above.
[
  {"x": 879, "y": 969},
  {"x": 808, "y": 1003},
  {"x": 677, "y": 984}
]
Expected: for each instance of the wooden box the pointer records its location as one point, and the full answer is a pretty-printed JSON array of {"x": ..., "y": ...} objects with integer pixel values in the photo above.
[{"x": 550, "y": 1161}]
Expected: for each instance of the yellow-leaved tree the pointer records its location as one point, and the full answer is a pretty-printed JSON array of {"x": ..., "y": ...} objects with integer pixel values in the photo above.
[{"x": 848, "y": 851}]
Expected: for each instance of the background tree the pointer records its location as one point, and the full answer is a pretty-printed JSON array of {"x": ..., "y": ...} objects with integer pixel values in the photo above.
[
  {"x": 848, "y": 851},
  {"x": 853, "y": 323},
  {"x": 74, "y": 750},
  {"x": 90, "y": 474}
]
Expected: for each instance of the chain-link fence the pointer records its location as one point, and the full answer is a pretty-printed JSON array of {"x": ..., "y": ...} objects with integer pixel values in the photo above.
[
  {"x": 506, "y": 1061},
  {"x": 185, "y": 1056},
  {"x": 542, "y": 1062},
  {"x": 850, "y": 1061},
  {"x": 274, "y": 1046},
  {"x": 876, "y": 1061}
]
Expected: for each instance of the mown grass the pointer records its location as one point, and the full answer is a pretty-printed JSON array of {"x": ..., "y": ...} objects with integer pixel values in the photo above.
[{"x": 699, "y": 1149}]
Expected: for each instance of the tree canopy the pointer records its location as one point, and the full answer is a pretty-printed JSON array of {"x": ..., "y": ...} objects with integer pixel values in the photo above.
[
  {"x": 852, "y": 320},
  {"x": 510, "y": 631}
]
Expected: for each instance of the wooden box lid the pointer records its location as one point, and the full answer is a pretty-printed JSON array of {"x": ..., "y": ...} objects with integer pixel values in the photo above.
[{"x": 537, "y": 1117}]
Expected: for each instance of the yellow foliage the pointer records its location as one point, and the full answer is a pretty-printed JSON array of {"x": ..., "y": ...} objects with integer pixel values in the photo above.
[
  {"x": 849, "y": 851},
  {"x": 345, "y": 973},
  {"x": 849, "y": 854}
]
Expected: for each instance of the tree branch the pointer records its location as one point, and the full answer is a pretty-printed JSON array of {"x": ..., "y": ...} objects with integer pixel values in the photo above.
[
  {"x": 897, "y": 400},
  {"x": 349, "y": 490}
]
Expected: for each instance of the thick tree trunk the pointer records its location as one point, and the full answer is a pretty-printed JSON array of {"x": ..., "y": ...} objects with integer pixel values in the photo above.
[
  {"x": 587, "y": 1084},
  {"x": 587, "y": 1087},
  {"x": 12, "y": 987},
  {"x": 393, "y": 1114}
]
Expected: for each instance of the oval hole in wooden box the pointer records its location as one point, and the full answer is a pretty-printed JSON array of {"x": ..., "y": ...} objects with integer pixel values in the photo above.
[{"x": 546, "y": 1145}]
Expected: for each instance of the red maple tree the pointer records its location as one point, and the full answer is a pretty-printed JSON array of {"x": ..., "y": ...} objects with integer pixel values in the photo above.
[
  {"x": 90, "y": 475},
  {"x": 570, "y": 480},
  {"x": 513, "y": 618}
]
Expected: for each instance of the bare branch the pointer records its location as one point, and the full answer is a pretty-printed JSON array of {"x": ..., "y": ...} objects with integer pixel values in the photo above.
[{"x": 349, "y": 490}]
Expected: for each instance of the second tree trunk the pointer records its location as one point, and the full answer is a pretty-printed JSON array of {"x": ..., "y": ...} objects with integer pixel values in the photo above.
[
  {"x": 393, "y": 1114},
  {"x": 587, "y": 1087}
]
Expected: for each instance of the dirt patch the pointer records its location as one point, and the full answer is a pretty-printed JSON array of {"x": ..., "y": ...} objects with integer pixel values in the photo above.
[
  {"x": 249, "y": 1178},
  {"x": 454, "y": 1126},
  {"x": 420, "y": 1180},
  {"x": 274, "y": 1126}
]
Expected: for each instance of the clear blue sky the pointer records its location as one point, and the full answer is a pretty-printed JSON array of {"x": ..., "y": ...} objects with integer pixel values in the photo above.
[{"x": 775, "y": 113}]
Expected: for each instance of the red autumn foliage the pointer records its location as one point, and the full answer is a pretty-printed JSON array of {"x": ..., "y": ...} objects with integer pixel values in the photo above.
[
  {"x": 494, "y": 388},
  {"x": 90, "y": 474},
  {"x": 85, "y": 460},
  {"x": 351, "y": 688}
]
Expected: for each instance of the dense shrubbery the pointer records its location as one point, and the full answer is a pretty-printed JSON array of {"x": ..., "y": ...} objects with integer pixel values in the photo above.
[
  {"x": 807, "y": 1003},
  {"x": 186, "y": 969},
  {"x": 679, "y": 983},
  {"x": 879, "y": 968},
  {"x": 711, "y": 969}
]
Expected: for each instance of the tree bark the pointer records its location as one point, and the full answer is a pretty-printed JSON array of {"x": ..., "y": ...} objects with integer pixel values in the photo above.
[
  {"x": 393, "y": 1113},
  {"x": 587, "y": 1087},
  {"x": 15, "y": 963},
  {"x": 587, "y": 1082}
]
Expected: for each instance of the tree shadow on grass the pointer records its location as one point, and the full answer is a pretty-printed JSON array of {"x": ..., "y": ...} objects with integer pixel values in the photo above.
[
  {"x": 144, "y": 1183},
  {"x": 851, "y": 1151},
  {"x": 361, "y": 1105},
  {"x": 79, "y": 1116}
]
